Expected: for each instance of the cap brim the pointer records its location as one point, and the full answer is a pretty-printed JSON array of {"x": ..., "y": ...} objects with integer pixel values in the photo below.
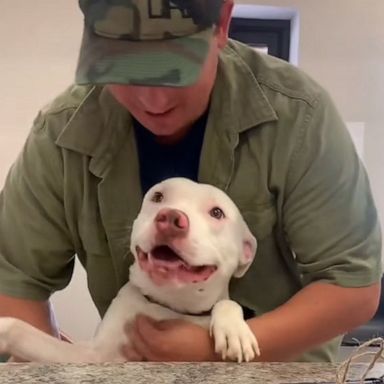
[{"x": 175, "y": 62}]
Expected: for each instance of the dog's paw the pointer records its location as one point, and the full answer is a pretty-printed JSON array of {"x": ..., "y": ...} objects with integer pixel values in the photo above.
[
  {"x": 234, "y": 341},
  {"x": 233, "y": 338}
]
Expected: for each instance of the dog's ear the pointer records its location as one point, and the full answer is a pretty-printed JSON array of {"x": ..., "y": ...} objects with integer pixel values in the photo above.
[{"x": 248, "y": 254}]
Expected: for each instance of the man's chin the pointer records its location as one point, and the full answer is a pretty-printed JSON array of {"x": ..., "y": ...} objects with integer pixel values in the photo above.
[{"x": 168, "y": 133}]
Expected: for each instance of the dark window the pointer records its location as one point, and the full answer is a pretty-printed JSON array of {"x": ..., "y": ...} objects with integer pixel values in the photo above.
[{"x": 273, "y": 36}]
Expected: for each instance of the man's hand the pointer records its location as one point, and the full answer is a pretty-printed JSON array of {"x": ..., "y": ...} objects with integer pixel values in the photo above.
[
  {"x": 316, "y": 314},
  {"x": 169, "y": 340}
]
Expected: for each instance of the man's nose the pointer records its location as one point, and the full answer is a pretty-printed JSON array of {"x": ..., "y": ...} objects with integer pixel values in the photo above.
[{"x": 172, "y": 222}]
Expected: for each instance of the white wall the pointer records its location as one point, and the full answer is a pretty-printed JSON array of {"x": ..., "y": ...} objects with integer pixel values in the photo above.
[
  {"x": 341, "y": 45},
  {"x": 39, "y": 42}
]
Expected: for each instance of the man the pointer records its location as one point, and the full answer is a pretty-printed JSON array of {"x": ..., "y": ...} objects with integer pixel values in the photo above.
[{"x": 164, "y": 93}]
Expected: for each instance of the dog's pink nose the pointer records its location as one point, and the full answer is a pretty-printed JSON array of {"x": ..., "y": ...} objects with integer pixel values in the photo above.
[{"x": 172, "y": 222}]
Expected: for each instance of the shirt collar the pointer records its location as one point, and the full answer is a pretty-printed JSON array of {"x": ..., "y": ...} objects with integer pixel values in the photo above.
[
  {"x": 238, "y": 94},
  {"x": 97, "y": 129},
  {"x": 100, "y": 124}
]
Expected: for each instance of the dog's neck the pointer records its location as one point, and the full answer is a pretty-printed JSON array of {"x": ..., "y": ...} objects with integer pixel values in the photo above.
[
  {"x": 187, "y": 313},
  {"x": 196, "y": 300}
]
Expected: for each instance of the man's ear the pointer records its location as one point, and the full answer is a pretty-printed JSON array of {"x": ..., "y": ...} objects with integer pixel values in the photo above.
[
  {"x": 248, "y": 254},
  {"x": 222, "y": 29}
]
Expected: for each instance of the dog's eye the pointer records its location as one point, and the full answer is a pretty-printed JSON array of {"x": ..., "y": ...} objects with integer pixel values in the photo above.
[
  {"x": 157, "y": 197},
  {"x": 217, "y": 213}
]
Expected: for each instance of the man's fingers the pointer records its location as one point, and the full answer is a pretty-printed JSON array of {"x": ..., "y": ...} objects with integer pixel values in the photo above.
[
  {"x": 141, "y": 333},
  {"x": 161, "y": 325},
  {"x": 131, "y": 355},
  {"x": 149, "y": 338},
  {"x": 149, "y": 327},
  {"x": 143, "y": 320},
  {"x": 144, "y": 345}
]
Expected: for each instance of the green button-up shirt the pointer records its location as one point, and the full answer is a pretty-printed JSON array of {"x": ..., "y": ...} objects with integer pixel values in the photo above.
[{"x": 274, "y": 142}]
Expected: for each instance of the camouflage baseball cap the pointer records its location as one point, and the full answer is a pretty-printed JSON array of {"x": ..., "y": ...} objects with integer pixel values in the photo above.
[{"x": 145, "y": 42}]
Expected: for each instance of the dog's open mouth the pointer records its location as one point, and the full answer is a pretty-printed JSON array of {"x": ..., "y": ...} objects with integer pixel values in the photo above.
[{"x": 163, "y": 263}]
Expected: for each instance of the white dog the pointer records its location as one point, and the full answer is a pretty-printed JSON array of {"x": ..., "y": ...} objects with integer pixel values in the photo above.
[{"x": 188, "y": 241}]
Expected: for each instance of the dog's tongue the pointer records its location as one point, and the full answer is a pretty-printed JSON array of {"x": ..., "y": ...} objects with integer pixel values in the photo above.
[
  {"x": 162, "y": 274},
  {"x": 195, "y": 275},
  {"x": 165, "y": 265},
  {"x": 165, "y": 257}
]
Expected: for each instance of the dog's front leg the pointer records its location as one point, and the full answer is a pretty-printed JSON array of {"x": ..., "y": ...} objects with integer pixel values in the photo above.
[
  {"x": 232, "y": 335},
  {"x": 18, "y": 338}
]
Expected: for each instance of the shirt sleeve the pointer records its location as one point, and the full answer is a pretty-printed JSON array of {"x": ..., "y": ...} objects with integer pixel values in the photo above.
[
  {"x": 36, "y": 251},
  {"x": 330, "y": 217}
]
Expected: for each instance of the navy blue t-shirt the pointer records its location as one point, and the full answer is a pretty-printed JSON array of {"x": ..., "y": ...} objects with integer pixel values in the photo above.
[{"x": 161, "y": 161}]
